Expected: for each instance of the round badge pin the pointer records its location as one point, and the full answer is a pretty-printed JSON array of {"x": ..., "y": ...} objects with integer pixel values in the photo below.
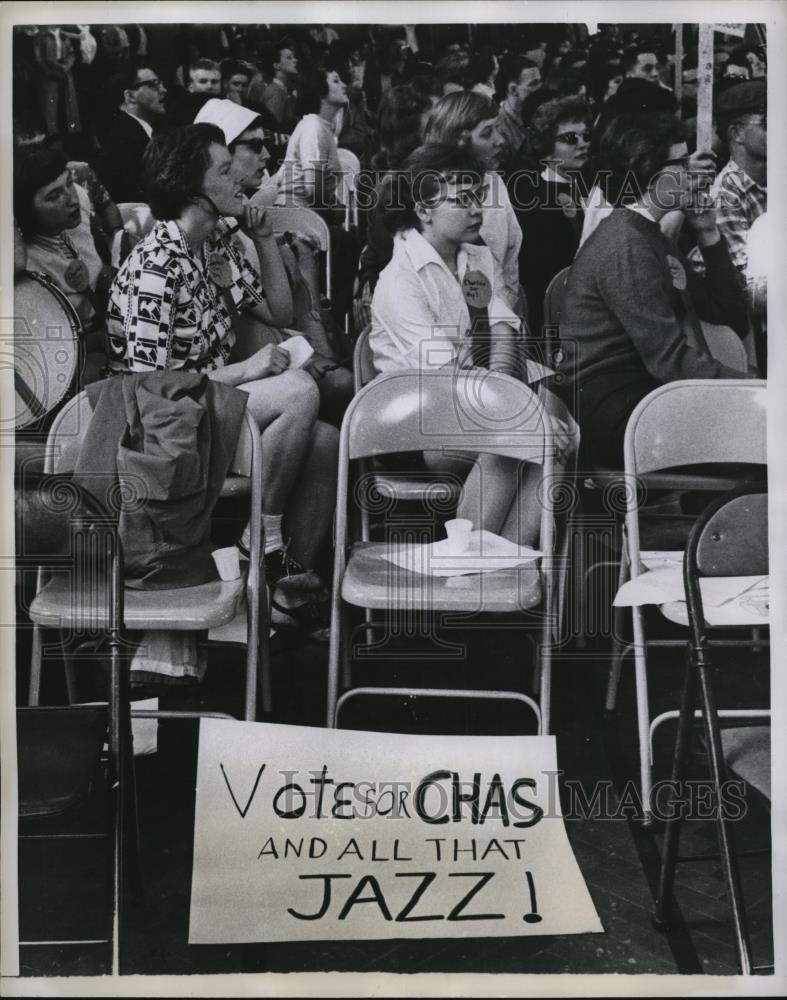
[
  {"x": 476, "y": 289},
  {"x": 77, "y": 276}
]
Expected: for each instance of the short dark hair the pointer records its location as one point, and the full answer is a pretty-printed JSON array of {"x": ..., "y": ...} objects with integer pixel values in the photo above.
[
  {"x": 34, "y": 167},
  {"x": 128, "y": 77},
  {"x": 313, "y": 87},
  {"x": 482, "y": 65},
  {"x": 633, "y": 148},
  {"x": 174, "y": 167},
  {"x": 420, "y": 179},
  {"x": 511, "y": 67},
  {"x": 453, "y": 68},
  {"x": 270, "y": 54},
  {"x": 630, "y": 55},
  {"x": 546, "y": 121}
]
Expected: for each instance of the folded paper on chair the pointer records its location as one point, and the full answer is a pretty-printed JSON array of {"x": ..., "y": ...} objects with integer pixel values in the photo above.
[
  {"x": 485, "y": 553},
  {"x": 664, "y": 585}
]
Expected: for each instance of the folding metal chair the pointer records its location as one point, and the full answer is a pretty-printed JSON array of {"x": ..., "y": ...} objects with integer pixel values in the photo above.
[
  {"x": 295, "y": 219},
  {"x": 351, "y": 166},
  {"x": 691, "y": 435},
  {"x": 405, "y": 411},
  {"x": 234, "y": 611},
  {"x": 60, "y": 748},
  {"x": 729, "y": 539}
]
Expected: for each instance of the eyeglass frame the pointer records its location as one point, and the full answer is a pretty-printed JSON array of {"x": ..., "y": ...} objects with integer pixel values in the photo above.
[
  {"x": 477, "y": 196},
  {"x": 586, "y": 135},
  {"x": 156, "y": 82}
]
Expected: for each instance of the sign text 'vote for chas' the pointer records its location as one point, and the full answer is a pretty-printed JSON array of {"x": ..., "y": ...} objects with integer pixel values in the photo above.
[{"x": 314, "y": 834}]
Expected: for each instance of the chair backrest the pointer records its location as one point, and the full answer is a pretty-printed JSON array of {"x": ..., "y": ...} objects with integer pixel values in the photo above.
[
  {"x": 346, "y": 189},
  {"x": 69, "y": 428},
  {"x": 363, "y": 360},
  {"x": 697, "y": 422},
  {"x": 478, "y": 410},
  {"x": 731, "y": 537},
  {"x": 295, "y": 219},
  {"x": 553, "y": 298}
]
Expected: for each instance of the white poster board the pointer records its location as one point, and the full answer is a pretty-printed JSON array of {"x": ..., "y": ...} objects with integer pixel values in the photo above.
[{"x": 314, "y": 834}]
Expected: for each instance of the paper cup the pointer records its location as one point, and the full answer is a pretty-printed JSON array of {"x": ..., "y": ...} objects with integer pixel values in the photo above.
[
  {"x": 458, "y": 532},
  {"x": 227, "y": 562}
]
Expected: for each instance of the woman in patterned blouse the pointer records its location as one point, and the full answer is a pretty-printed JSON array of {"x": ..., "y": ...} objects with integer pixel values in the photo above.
[{"x": 171, "y": 306}]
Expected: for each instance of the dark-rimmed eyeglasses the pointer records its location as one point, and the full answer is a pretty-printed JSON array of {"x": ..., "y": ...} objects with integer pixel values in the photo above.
[
  {"x": 574, "y": 138},
  {"x": 155, "y": 82},
  {"x": 469, "y": 198},
  {"x": 256, "y": 145}
]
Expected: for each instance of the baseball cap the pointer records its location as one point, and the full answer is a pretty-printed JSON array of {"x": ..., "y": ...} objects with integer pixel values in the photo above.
[{"x": 230, "y": 117}]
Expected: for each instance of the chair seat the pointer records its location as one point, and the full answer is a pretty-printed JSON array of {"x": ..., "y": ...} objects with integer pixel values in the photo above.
[
  {"x": 726, "y": 615},
  {"x": 51, "y": 780},
  {"x": 371, "y": 581},
  {"x": 185, "y": 609}
]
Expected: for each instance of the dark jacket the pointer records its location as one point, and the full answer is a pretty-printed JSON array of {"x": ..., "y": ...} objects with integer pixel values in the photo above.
[
  {"x": 120, "y": 162},
  {"x": 159, "y": 446}
]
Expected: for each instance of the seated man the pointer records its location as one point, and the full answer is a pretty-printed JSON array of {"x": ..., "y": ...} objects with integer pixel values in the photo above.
[
  {"x": 171, "y": 306},
  {"x": 141, "y": 109}
]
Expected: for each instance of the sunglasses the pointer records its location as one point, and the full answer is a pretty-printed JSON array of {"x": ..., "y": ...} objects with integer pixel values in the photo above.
[
  {"x": 256, "y": 145},
  {"x": 155, "y": 82},
  {"x": 470, "y": 198},
  {"x": 574, "y": 138}
]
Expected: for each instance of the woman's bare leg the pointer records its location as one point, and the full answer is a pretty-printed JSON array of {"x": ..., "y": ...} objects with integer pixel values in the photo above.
[{"x": 312, "y": 501}]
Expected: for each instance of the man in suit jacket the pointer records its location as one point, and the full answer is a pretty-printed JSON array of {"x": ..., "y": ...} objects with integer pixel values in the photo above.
[{"x": 141, "y": 107}]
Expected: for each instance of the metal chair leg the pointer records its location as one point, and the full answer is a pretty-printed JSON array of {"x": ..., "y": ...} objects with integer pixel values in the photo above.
[
  {"x": 672, "y": 830},
  {"x": 34, "y": 691},
  {"x": 643, "y": 715},
  {"x": 723, "y": 827}
]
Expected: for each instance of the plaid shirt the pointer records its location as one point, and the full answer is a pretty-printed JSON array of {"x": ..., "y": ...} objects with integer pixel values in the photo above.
[
  {"x": 166, "y": 311},
  {"x": 739, "y": 201}
]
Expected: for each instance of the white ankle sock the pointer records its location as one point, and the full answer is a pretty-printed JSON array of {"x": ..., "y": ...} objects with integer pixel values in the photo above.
[{"x": 273, "y": 538}]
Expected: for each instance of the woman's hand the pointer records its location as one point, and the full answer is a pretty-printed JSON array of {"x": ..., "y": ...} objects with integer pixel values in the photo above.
[
  {"x": 269, "y": 360},
  {"x": 701, "y": 212},
  {"x": 255, "y": 222}
]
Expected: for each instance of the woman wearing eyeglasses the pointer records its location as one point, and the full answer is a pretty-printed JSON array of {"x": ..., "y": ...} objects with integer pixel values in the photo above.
[
  {"x": 437, "y": 305},
  {"x": 547, "y": 197},
  {"x": 631, "y": 314}
]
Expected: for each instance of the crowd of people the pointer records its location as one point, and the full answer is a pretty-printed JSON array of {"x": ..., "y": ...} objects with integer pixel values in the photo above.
[{"x": 507, "y": 153}]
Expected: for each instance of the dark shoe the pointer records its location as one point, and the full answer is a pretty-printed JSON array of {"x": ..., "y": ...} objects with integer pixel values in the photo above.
[
  {"x": 288, "y": 575},
  {"x": 311, "y": 619}
]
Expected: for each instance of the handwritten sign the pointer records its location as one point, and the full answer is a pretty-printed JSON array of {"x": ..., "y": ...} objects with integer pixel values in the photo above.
[
  {"x": 738, "y": 30},
  {"x": 314, "y": 834}
]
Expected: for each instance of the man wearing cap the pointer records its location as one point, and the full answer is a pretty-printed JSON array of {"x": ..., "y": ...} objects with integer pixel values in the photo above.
[{"x": 740, "y": 190}]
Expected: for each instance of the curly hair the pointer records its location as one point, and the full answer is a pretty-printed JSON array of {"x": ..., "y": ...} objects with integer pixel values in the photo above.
[
  {"x": 174, "y": 167},
  {"x": 455, "y": 116},
  {"x": 633, "y": 148},
  {"x": 546, "y": 121},
  {"x": 422, "y": 178}
]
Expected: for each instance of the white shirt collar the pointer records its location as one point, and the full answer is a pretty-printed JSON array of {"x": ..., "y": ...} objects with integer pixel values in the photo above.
[
  {"x": 421, "y": 252},
  {"x": 550, "y": 174},
  {"x": 146, "y": 125}
]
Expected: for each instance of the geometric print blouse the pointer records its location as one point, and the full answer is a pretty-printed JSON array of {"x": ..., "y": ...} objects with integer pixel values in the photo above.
[{"x": 166, "y": 308}]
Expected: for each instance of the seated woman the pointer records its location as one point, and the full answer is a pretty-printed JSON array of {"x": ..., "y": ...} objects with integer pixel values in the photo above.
[
  {"x": 469, "y": 121},
  {"x": 54, "y": 216},
  {"x": 632, "y": 304},
  {"x": 549, "y": 206},
  {"x": 424, "y": 313},
  {"x": 171, "y": 307},
  {"x": 311, "y": 166}
]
